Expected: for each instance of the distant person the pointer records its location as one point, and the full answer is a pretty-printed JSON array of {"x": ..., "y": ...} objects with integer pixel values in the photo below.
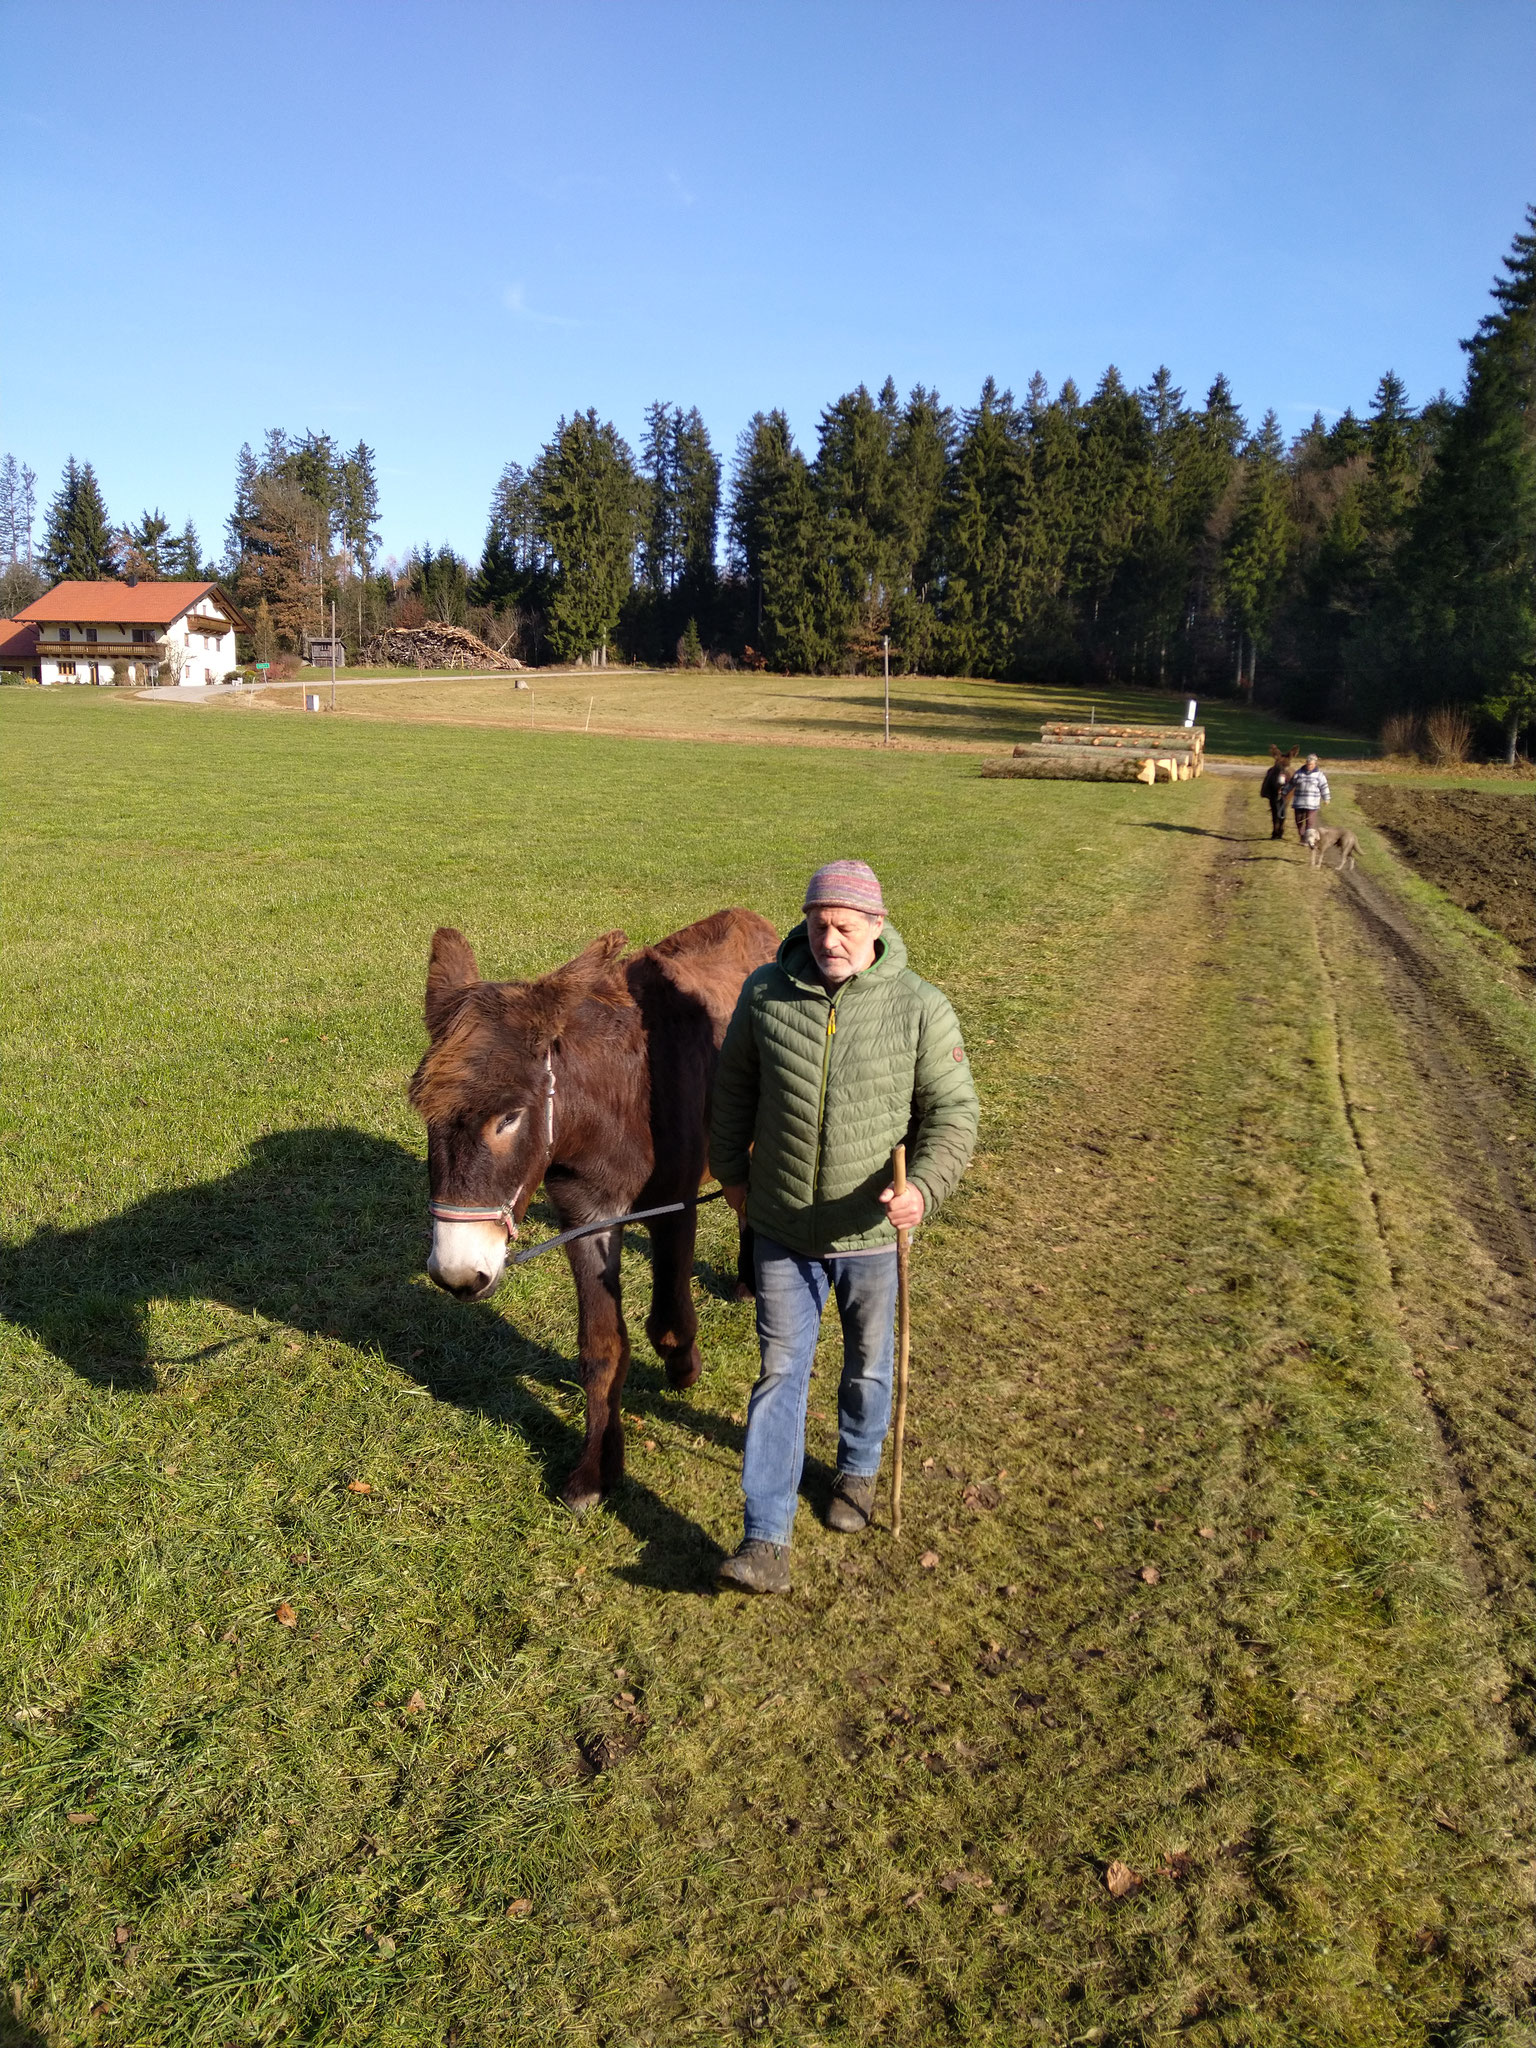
[
  {"x": 1309, "y": 792},
  {"x": 1275, "y": 790},
  {"x": 837, "y": 1053}
]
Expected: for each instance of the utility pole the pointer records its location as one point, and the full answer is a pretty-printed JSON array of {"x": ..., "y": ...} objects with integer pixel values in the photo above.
[
  {"x": 333, "y": 653},
  {"x": 887, "y": 643}
]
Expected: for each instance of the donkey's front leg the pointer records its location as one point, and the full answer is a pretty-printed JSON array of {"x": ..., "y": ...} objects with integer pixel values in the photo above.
[
  {"x": 604, "y": 1345},
  {"x": 672, "y": 1324}
]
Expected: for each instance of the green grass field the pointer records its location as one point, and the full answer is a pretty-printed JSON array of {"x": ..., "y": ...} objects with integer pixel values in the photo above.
[
  {"x": 1220, "y": 1437},
  {"x": 927, "y": 712}
]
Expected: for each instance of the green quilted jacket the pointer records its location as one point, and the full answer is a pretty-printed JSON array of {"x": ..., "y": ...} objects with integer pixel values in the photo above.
[{"x": 815, "y": 1091}]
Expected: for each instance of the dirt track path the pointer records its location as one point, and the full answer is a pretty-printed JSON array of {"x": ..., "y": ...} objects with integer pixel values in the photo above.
[{"x": 1223, "y": 1572}]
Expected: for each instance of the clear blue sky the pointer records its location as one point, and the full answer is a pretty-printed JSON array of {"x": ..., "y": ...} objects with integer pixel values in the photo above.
[{"x": 439, "y": 227}]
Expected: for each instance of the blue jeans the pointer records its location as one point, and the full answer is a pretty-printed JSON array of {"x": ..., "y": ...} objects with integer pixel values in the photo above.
[{"x": 791, "y": 1294}]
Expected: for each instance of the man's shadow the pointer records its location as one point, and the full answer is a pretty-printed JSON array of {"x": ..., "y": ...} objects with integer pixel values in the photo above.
[{"x": 323, "y": 1230}]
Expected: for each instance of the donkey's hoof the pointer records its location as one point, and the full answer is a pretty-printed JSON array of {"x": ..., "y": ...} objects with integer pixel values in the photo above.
[
  {"x": 580, "y": 1499},
  {"x": 684, "y": 1370},
  {"x": 742, "y": 1292}
]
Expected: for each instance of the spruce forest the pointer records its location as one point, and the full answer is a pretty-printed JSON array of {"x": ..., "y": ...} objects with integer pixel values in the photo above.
[{"x": 1376, "y": 568}]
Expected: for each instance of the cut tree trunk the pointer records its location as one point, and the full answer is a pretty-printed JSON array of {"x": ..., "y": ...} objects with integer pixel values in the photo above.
[
  {"x": 1184, "y": 737},
  {"x": 1093, "y": 764}
]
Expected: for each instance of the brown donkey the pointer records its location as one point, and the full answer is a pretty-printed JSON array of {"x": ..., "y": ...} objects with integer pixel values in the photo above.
[{"x": 595, "y": 1080}]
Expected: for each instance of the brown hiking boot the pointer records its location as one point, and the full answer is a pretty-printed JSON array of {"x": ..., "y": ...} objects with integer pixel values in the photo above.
[
  {"x": 853, "y": 1503},
  {"x": 757, "y": 1567}
]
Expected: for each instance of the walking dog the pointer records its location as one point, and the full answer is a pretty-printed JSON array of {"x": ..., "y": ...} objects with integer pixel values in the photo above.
[{"x": 1321, "y": 837}]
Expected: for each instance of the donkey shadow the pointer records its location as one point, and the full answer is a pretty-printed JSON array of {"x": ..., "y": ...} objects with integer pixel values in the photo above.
[
  {"x": 1192, "y": 831},
  {"x": 322, "y": 1230}
]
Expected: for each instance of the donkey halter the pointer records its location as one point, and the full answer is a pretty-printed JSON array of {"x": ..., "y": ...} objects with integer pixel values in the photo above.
[{"x": 503, "y": 1212}]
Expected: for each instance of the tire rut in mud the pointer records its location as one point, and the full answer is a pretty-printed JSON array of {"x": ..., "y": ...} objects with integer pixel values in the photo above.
[
  {"x": 1442, "y": 1150},
  {"x": 1462, "y": 1063}
]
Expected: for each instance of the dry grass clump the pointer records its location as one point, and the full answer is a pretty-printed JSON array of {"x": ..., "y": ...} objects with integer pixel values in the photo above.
[
  {"x": 1402, "y": 735},
  {"x": 1442, "y": 737},
  {"x": 1448, "y": 734}
]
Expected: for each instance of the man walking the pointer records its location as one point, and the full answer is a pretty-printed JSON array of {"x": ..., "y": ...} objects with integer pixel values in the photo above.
[
  {"x": 1309, "y": 792},
  {"x": 837, "y": 1053}
]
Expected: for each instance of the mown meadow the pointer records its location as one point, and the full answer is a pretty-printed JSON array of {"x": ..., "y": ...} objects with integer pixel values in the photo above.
[
  {"x": 840, "y": 710},
  {"x": 322, "y": 1721}
]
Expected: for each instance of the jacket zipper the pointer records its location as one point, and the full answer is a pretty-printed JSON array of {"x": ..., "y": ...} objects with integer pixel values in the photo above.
[{"x": 821, "y": 1106}]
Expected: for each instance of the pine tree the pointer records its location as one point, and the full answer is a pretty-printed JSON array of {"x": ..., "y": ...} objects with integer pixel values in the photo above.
[
  {"x": 1464, "y": 599},
  {"x": 10, "y": 509},
  {"x": 79, "y": 545},
  {"x": 358, "y": 507},
  {"x": 762, "y": 457},
  {"x": 58, "y": 523},
  {"x": 680, "y": 516},
  {"x": 781, "y": 550},
  {"x": 144, "y": 550},
  {"x": 1258, "y": 545},
  {"x": 920, "y": 456},
  {"x": 314, "y": 466},
  {"x": 589, "y": 519},
  {"x": 696, "y": 526},
  {"x": 990, "y": 564},
  {"x": 806, "y": 611},
  {"x": 855, "y": 484},
  {"x": 238, "y": 525},
  {"x": 658, "y": 540},
  {"x": 1113, "y": 485},
  {"x": 514, "y": 565},
  {"x": 1392, "y": 477},
  {"x": 184, "y": 557},
  {"x": 690, "y": 651}
]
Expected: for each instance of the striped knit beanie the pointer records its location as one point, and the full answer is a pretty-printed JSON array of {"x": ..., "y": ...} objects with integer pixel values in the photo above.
[{"x": 845, "y": 885}]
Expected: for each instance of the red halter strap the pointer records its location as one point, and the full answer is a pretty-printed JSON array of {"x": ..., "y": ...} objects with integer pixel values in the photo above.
[{"x": 453, "y": 1212}]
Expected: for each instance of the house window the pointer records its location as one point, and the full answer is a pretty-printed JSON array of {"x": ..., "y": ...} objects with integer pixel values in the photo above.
[
  {"x": 91, "y": 633},
  {"x": 141, "y": 636},
  {"x": 64, "y": 633},
  {"x": 66, "y": 671}
]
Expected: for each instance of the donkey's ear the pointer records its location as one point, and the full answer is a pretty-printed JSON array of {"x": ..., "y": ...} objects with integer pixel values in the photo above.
[
  {"x": 546, "y": 1003},
  {"x": 587, "y": 976},
  {"x": 590, "y": 962},
  {"x": 451, "y": 969}
]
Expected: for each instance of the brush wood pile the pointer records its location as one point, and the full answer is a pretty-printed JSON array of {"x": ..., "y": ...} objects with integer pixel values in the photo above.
[
  {"x": 1108, "y": 753},
  {"x": 434, "y": 647}
]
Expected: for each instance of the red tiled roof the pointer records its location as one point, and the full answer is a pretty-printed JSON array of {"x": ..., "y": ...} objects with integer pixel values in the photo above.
[
  {"x": 140, "y": 604},
  {"x": 18, "y": 640}
]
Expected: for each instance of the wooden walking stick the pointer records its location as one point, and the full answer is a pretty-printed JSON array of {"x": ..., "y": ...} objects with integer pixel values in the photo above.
[{"x": 903, "y": 1339}]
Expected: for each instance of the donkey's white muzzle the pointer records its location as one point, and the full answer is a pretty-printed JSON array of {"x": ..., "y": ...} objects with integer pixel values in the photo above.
[{"x": 467, "y": 1259}]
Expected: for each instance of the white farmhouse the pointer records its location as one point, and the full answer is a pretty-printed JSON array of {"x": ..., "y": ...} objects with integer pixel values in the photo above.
[{"x": 134, "y": 633}]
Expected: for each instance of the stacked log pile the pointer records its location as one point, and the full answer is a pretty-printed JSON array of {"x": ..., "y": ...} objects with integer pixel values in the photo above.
[
  {"x": 1148, "y": 738},
  {"x": 434, "y": 647},
  {"x": 1108, "y": 753}
]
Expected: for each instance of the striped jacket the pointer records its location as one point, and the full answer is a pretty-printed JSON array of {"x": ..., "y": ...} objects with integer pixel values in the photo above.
[{"x": 1309, "y": 788}]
